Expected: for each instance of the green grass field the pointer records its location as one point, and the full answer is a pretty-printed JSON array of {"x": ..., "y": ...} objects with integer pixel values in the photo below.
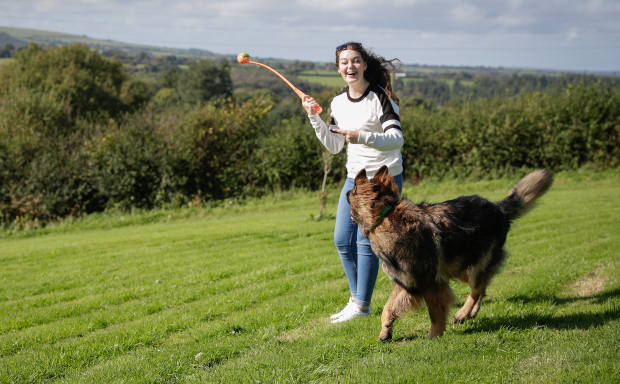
[
  {"x": 243, "y": 293},
  {"x": 327, "y": 79}
]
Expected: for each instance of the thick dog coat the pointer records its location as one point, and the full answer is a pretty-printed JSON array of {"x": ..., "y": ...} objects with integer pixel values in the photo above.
[{"x": 423, "y": 246}]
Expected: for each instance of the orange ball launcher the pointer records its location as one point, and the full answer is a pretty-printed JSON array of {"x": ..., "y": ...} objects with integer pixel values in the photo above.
[{"x": 244, "y": 58}]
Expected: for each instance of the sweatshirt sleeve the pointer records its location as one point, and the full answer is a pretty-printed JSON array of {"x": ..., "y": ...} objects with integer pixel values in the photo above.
[
  {"x": 387, "y": 141},
  {"x": 392, "y": 136},
  {"x": 334, "y": 142}
]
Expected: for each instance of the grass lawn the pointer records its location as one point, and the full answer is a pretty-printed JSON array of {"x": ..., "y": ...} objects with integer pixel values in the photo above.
[{"x": 243, "y": 293}]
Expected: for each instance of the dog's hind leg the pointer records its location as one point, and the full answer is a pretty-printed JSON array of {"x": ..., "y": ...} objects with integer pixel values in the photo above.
[
  {"x": 471, "y": 307},
  {"x": 479, "y": 278},
  {"x": 400, "y": 301},
  {"x": 438, "y": 300}
]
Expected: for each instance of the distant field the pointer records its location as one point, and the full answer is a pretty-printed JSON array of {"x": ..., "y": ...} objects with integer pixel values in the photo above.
[
  {"x": 450, "y": 82},
  {"x": 5, "y": 60},
  {"x": 242, "y": 294},
  {"x": 429, "y": 70},
  {"x": 335, "y": 80},
  {"x": 324, "y": 78}
]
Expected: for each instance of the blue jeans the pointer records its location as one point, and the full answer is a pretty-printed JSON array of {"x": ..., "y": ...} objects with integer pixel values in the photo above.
[{"x": 360, "y": 264}]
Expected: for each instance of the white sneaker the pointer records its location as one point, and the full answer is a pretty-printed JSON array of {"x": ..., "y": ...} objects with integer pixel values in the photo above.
[
  {"x": 352, "y": 314},
  {"x": 345, "y": 310}
]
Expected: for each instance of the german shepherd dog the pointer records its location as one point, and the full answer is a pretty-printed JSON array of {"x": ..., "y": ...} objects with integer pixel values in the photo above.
[{"x": 423, "y": 246}]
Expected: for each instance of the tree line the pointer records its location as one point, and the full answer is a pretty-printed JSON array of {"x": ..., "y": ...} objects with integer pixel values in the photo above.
[{"x": 78, "y": 134}]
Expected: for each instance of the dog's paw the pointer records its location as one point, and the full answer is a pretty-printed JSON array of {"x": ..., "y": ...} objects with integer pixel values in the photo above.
[
  {"x": 435, "y": 335},
  {"x": 386, "y": 340},
  {"x": 460, "y": 317},
  {"x": 385, "y": 336}
]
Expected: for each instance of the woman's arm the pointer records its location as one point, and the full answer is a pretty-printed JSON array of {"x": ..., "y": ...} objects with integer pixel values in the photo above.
[
  {"x": 334, "y": 142},
  {"x": 389, "y": 118},
  {"x": 387, "y": 141}
]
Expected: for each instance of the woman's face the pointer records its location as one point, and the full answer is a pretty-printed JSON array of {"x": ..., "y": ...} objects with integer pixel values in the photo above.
[{"x": 351, "y": 66}]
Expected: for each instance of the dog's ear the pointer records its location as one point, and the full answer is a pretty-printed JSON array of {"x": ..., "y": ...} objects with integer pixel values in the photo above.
[
  {"x": 383, "y": 176},
  {"x": 382, "y": 171},
  {"x": 361, "y": 177}
]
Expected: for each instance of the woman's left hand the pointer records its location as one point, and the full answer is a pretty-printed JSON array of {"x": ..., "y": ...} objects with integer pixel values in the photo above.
[{"x": 350, "y": 136}]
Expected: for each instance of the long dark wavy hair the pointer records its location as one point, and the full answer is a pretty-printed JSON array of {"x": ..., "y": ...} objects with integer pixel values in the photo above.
[{"x": 378, "y": 68}]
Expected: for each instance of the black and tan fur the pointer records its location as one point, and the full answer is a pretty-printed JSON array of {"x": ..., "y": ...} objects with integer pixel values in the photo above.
[{"x": 423, "y": 246}]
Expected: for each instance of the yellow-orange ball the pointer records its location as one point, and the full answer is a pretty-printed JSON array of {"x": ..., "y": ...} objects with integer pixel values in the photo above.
[{"x": 243, "y": 58}]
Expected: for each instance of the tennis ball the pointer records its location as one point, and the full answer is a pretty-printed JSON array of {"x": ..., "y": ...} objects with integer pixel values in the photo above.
[{"x": 243, "y": 58}]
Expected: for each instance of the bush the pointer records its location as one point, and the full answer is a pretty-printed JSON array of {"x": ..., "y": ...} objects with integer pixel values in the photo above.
[
  {"x": 495, "y": 137},
  {"x": 289, "y": 156},
  {"x": 143, "y": 160}
]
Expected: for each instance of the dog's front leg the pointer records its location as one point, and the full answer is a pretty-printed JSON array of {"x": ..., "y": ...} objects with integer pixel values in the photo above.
[
  {"x": 400, "y": 301},
  {"x": 438, "y": 300}
]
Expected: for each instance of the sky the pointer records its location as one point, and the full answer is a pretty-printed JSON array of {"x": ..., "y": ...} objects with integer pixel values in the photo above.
[{"x": 571, "y": 35}]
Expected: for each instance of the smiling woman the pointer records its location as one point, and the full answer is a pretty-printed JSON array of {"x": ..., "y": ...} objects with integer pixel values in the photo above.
[{"x": 365, "y": 115}]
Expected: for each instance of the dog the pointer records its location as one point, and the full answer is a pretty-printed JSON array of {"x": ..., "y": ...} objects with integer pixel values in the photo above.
[{"x": 423, "y": 246}]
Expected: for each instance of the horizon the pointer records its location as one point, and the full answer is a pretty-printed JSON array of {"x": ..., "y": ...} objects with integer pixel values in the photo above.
[
  {"x": 551, "y": 70},
  {"x": 567, "y": 35}
]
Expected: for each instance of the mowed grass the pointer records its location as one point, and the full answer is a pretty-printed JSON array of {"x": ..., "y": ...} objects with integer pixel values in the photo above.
[{"x": 244, "y": 293}]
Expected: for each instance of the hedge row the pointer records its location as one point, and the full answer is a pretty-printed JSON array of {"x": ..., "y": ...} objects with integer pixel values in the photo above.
[
  {"x": 147, "y": 159},
  {"x": 495, "y": 137},
  {"x": 53, "y": 164}
]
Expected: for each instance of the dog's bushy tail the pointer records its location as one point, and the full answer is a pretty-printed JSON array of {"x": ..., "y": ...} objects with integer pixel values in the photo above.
[{"x": 523, "y": 195}]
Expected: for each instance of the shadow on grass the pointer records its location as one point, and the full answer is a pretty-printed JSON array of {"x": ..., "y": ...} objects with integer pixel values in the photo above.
[
  {"x": 542, "y": 298},
  {"x": 581, "y": 319},
  {"x": 417, "y": 336}
]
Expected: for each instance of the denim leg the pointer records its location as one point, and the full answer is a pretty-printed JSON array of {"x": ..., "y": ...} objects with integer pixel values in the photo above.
[
  {"x": 345, "y": 238},
  {"x": 367, "y": 262}
]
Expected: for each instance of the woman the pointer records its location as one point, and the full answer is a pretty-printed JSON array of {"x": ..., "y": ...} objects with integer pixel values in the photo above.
[{"x": 365, "y": 115}]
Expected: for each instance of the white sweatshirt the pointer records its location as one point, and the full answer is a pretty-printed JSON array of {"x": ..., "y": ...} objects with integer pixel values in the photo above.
[{"x": 376, "y": 117}]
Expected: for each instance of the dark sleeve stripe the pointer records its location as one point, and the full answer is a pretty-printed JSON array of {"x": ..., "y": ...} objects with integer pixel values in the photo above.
[
  {"x": 392, "y": 126},
  {"x": 386, "y": 105},
  {"x": 389, "y": 116}
]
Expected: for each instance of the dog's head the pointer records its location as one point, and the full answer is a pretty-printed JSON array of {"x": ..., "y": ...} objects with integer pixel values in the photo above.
[{"x": 369, "y": 197}]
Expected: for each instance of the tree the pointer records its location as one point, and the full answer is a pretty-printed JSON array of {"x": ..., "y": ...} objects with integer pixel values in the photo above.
[
  {"x": 204, "y": 81},
  {"x": 170, "y": 78},
  {"x": 88, "y": 81},
  {"x": 7, "y": 51}
]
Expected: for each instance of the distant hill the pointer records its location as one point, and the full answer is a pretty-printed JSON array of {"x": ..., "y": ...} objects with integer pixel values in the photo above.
[
  {"x": 6, "y": 38},
  {"x": 20, "y": 36}
]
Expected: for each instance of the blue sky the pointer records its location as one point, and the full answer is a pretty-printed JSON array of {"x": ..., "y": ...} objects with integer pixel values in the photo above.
[{"x": 549, "y": 34}]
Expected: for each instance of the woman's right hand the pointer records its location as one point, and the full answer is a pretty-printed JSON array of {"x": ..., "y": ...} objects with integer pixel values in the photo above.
[{"x": 309, "y": 105}]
